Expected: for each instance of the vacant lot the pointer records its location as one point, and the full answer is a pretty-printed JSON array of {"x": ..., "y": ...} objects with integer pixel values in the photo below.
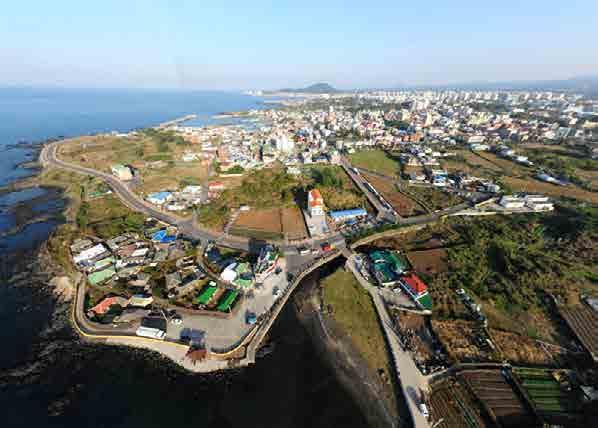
[
  {"x": 519, "y": 349},
  {"x": 458, "y": 338},
  {"x": 274, "y": 222},
  {"x": 101, "y": 152},
  {"x": 429, "y": 262},
  {"x": 402, "y": 204},
  {"x": 352, "y": 308},
  {"x": 432, "y": 198},
  {"x": 532, "y": 185},
  {"x": 375, "y": 160}
]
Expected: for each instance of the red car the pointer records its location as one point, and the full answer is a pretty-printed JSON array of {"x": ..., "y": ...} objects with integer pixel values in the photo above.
[{"x": 326, "y": 247}]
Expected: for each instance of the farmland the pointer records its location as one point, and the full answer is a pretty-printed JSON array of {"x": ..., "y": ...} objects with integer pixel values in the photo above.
[
  {"x": 433, "y": 199},
  {"x": 272, "y": 223},
  {"x": 455, "y": 406},
  {"x": 498, "y": 397},
  {"x": 583, "y": 321},
  {"x": 404, "y": 205},
  {"x": 547, "y": 395},
  {"x": 375, "y": 160}
]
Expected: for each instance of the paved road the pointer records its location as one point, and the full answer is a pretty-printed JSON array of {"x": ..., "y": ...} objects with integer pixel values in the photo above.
[
  {"x": 383, "y": 212},
  {"x": 410, "y": 378},
  {"x": 187, "y": 226}
]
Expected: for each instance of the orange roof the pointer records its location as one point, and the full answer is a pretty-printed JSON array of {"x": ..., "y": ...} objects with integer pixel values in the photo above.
[
  {"x": 315, "y": 194},
  {"x": 104, "y": 305}
]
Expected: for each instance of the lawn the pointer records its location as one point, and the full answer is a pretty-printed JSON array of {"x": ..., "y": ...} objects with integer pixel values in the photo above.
[
  {"x": 377, "y": 161},
  {"x": 353, "y": 310}
]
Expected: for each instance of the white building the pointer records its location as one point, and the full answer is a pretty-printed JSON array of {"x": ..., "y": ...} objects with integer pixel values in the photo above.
[{"x": 315, "y": 203}]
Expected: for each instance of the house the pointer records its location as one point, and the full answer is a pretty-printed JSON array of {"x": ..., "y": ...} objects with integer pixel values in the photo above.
[
  {"x": 386, "y": 266},
  {"x": 417, "y": 289},
  {"x": 105, "y": 305},
  {"x": 216, "y": 186},
  {"x": 159, "y": 198},
  {"x": 315, "y": 203},
  {"x": 510, "y": 202},
  {"x": 122, "y": 172},
  {"x": 86, "y": 256},
  {"x": 344, "y": 215}
]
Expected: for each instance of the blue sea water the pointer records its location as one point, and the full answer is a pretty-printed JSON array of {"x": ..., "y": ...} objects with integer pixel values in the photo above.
[
  {"x": 104, "y": 386},
  {"x": 36, "y": 114}
]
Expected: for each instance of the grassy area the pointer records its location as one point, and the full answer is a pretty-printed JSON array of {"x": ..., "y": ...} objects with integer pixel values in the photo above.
[
  {"x": 337, "y": 188},
  {"x": 352, "y": 308},
  {"x": 375, "y": 160},
  {"x": 103, "y": 151},
  {"x": 512, "y": 264}
]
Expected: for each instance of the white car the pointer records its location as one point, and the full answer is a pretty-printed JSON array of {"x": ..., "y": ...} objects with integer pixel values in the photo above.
[{"x": 424, "y": 409}]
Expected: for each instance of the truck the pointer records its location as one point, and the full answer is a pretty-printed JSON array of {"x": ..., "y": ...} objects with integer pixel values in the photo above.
[{"x": 152, "y": 333}]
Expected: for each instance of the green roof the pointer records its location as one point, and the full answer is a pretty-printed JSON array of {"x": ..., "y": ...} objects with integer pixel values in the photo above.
[
  {"x": 425, "y": 301},
  {"x": 206, "y": 295},
  {"x": 101, "y": 275},
  {"x": 243, "y": 282},
  {"x": 395, "y": 262},
  {"x": 227, "y": 301},
  {"x": 104, "y": 262}
]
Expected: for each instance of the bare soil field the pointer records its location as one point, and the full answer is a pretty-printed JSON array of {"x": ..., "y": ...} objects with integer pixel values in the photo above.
[
  {"x": 454, "y": 406},
  {"x": 429, "y": 262},
  {"x": 293, "y": 224},
  {"x": 498, "y": 396},
  {"x": 403, "y": 205},
  {"x": 534, "y": 186},
  {"x": 276, "y": 221}
]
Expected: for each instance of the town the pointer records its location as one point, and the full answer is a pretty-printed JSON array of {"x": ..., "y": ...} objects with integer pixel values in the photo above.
[{"x": 409, "y": 188}]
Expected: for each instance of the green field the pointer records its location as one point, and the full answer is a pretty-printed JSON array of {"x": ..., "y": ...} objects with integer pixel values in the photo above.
[
  {"x": 353, "y": 310},
  {"x": 377, "y": 161}
]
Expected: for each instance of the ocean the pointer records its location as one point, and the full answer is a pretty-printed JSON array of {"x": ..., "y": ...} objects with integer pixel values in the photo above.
[{"x": 48, "y": 377}]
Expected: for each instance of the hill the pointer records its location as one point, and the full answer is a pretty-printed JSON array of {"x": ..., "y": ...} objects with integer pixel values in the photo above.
[{"x": 316, "y": 88}]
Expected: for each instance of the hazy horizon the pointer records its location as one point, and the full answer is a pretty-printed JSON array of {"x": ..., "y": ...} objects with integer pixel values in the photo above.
[{"x": 257, "y": 45}]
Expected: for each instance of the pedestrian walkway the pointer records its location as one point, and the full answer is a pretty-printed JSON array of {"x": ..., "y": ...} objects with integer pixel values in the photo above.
[{"x": 409, "y": 377}]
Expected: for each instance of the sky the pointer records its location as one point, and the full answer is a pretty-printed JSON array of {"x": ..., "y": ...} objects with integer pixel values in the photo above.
[{"x": 267, "y": 45}]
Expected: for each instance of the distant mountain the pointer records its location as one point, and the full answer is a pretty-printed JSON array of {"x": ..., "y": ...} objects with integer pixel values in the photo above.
[{"x": 316, "y": 88}]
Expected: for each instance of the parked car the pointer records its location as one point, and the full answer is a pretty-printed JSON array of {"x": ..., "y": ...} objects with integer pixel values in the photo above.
[
  {"x": 303, "y": 250},
  {"x": 251, "y": 318}
]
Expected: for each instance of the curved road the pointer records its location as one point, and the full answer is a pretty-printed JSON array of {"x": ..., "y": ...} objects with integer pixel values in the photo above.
[{"x": 187, "y": 227}]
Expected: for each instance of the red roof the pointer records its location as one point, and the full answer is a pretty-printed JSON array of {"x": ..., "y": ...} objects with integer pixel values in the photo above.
[{"x": 415, "y": 283}]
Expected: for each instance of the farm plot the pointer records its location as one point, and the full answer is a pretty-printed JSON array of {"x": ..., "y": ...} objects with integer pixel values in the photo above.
[
  {"x": 548, "y": 393},
  {"x": 452, "y": 406},
  {"x": 272, "y": 223},
  {"x": 498, "y": 396},
  {"x": 402, "y": 204},
  {"x": 429, "y": 262},
  {"x": 583, "y": 321}
]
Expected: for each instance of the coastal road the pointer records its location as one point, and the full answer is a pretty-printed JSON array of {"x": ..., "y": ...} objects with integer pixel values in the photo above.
[
  {"x": 409, "y": 377},
  {"x": 187, "y": 226}
]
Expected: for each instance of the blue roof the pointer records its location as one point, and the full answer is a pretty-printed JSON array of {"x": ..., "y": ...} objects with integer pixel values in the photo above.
[
  {"x": 159, "y": 235},
  {"x": 160, "y": 195},
  {"x": 348, "y": 213}
]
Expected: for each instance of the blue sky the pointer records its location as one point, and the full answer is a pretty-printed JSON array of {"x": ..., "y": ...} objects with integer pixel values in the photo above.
[{"x": 259, "y": 44}]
